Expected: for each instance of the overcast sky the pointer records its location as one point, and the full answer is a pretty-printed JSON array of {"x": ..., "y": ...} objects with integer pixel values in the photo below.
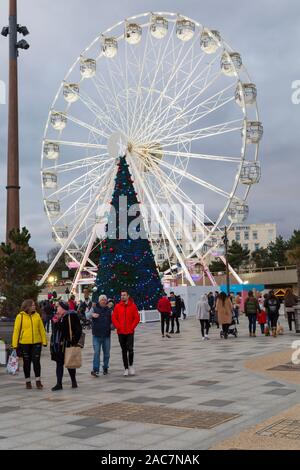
[{"x": 265, "y": 32}]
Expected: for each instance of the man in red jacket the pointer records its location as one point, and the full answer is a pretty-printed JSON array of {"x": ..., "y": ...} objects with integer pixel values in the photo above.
[
  {"x": 125, "y": 318},
  {"x": 165, "y": 310}
]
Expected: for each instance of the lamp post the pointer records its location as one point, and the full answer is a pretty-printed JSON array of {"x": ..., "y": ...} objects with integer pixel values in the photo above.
[
  {"x": 225, "y": 241},
  {"x": 13, "y": 188}
]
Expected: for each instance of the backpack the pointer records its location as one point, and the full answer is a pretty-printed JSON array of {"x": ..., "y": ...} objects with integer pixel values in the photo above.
[
  {"x": 251, "y": 306},
  {"x": 272, "y": 304}
]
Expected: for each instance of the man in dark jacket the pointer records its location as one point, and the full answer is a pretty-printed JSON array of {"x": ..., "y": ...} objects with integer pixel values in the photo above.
[
  {"x": 272, "y": 306},
  {"x": 176, "y": 311},
  {"x": 101, "y": 329},
  {"x": 125, "y": 318}
]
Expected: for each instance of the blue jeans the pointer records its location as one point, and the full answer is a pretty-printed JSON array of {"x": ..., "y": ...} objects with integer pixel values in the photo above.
[
  {"x": 98, "y": 343},
  {"x": 252, "y": 322}
]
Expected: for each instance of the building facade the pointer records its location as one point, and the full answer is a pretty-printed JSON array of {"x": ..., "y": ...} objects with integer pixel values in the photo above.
[{"x": 251, "y": 236}]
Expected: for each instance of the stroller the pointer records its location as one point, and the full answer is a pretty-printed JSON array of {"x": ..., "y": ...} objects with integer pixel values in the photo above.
[{"x": 232, "y": 330}]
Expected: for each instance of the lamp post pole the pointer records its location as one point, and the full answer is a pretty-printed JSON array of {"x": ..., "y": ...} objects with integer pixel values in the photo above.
[
  {"x": 225, "y": 240},
  {"x": 13, "y": 187}
]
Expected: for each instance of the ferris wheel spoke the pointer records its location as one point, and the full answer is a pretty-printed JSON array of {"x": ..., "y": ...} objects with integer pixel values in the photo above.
[
  {"x": 80, "y": 163},
  {"x": 96, "y": 111},
  {"x": 79, "y": 144},
  {"x": 199, "y": 156},
  {"x": 171, "y": 196},
  {"x": 152, "y": 85},
  {"x": 107, "y": 104},
  {"x": 149, "y": 195},
  {"x": 87, "y": 126},
  {"x": 174, "y": 71},
  {"x": 167, "y": 74},
  {"x": 203, "y": 133},
  {"x": 193, "y": 178},
  {"x": 77, "y": 182},
  {"x": 75, "y": 189},
  {"x": 184, "y": 109},
  {"x": 151, "y": 81},
  {"x": 180, "y": 196},
  {"x": 167, "y": 229},
  {"x": 207, "y": 234},
  {"x": 88, "y": 193},
  {"x": 118, "y": 106},
  {"x": 189, "y": 83},
  {"x": 156, "y": 206},
  {"x": 139, "y": 84},
  {"x": 194, "y": 114}
]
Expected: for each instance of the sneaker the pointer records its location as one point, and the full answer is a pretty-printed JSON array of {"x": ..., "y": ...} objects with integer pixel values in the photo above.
[
  {"x": 203, "y": 338},
  {"x": 206, "y": 337},
  {"x": 56, "y": 387},
  {"x": 168, "y": 336},
  {"x": 177, "y": 332},
  {"x": 94, "y": 373},
  {"x": 105, "y": 371},
  {"x": 131, "y": 370},
  {"x": 171, "y": 332},
  {"x": 126, "y": 373}
]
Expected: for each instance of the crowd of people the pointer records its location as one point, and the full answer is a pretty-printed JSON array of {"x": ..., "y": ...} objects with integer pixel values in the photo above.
[
  {"x": 66, "y": 318},
  {"x": 69, "y": 318},
  {"x": 222, "y": 309}
]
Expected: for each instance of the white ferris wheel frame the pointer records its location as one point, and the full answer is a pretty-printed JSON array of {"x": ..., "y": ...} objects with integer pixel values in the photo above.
[{"x": 170, "y": 188}]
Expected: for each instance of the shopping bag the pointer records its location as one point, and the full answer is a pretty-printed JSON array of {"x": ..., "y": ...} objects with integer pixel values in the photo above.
[
  {"x": 13, "y": 364},
  {"x": 73, "y": 357}
]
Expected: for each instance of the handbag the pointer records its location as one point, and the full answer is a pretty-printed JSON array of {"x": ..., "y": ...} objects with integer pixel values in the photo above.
[
  {"x": 13, "y": 364},
  {"x": 72, "y": 359},
  {"x": 19, "y": 349}
]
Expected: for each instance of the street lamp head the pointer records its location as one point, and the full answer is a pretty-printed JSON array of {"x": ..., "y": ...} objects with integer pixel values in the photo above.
[
  {"x": 5, "y": 31},
  {"x": 23, "y": 30},
  {"x": 22, "y": 44}
]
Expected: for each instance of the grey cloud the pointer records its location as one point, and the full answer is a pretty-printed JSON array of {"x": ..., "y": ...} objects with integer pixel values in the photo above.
[{"x": 266, "y": 33}]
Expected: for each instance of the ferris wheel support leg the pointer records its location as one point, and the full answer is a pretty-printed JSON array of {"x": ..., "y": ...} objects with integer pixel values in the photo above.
[
  {"x": 233, "y": 272},
  {"x": 162, "y": 223},
  {"x": 67, "y": 242},
  {"x": 84, "y": 260}
]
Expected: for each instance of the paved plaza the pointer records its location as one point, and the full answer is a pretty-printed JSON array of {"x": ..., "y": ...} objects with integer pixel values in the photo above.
[{"x": 187, "y": 394}]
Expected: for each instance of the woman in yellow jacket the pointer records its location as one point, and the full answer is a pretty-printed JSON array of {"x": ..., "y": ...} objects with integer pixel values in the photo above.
[{"x": 29, "y": 335}]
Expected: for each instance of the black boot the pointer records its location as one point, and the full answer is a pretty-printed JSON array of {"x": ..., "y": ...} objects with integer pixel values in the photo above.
[
  {"x": 57, "y": 387},
  {"x": 74, "y": 384}
]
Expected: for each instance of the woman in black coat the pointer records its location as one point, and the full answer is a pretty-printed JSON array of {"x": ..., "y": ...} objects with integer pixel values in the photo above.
[{"x": 61, "y": 339}]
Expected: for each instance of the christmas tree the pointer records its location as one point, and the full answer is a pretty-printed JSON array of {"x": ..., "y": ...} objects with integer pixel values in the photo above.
[{"x": 126, "y": 258}]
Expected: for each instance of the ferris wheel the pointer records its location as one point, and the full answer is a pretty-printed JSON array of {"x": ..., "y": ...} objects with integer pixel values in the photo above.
[{"x": 179, "y": 102}]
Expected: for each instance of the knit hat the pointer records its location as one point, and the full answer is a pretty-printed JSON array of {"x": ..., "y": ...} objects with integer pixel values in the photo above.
[{"x": 63, "y": 305}]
